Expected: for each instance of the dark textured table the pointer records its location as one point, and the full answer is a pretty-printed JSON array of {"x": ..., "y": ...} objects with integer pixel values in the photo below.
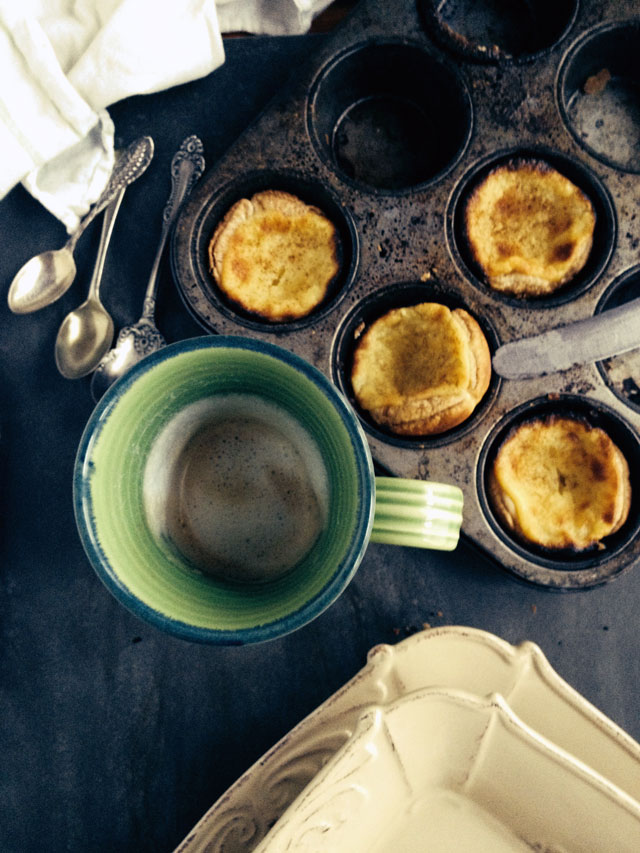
[{"x": 114, "y": 736}]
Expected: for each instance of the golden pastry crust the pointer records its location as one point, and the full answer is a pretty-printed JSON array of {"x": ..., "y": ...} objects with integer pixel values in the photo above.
[
  {"x": 422, "y": 369},
  {"x": 560, "y": 483},
  {"x": 274, "y": 255},
  {"x": 529, "y": 228}
]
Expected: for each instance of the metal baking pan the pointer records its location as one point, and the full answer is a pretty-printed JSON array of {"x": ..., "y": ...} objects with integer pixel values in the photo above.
[{"x": 386, "y": 129}]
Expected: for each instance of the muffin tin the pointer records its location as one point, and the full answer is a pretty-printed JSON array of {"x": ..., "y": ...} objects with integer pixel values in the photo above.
[{"x": 387, "y": 128}]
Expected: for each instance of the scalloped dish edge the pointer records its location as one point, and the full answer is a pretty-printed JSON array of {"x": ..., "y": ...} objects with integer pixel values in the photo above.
[
  {"x": 461, "y": 771},
  {"x": 449, "y": 657}
]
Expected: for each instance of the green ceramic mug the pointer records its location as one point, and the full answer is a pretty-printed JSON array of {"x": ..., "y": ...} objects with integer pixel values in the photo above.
[{"x": 224, "y": 491}]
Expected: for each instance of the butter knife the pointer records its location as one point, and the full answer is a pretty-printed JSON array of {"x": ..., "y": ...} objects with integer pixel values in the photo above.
[{"x": 611, "y": 332}]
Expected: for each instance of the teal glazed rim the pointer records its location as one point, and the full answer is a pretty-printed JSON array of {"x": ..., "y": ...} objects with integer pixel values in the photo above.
[{"x": 155, "y": 602}]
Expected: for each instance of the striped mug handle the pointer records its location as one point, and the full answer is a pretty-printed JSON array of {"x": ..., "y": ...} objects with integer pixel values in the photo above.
[{"x": 418, "y": 513}]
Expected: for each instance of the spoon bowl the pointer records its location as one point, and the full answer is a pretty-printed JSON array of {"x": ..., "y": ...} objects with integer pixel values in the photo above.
[
  {"x": 42, "y": 280},
  {"x": 47, "y": 276},
  {"x": 83, "y": 338},
  {"x": 134, "y": 343},
  {"x": 86, "y": 333}
]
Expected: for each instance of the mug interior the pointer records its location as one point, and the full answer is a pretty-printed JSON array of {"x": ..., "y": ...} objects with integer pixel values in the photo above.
[{"x": 147, "y": 575}]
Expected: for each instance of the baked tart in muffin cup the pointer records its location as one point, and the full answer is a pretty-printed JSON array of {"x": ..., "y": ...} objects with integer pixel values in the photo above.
[
  {"x": 275, "y": 256},
  {"x": 559, "y": 483},
  {"x": 421, "y": 369},
  {"x": 528, "y": 228}
]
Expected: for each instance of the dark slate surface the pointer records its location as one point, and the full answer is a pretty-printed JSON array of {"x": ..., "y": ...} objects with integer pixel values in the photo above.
[{"x": 114, "y": 736}]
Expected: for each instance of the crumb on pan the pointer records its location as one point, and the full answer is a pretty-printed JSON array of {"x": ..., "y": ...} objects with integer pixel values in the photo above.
[{"x": 597, "y": 83}]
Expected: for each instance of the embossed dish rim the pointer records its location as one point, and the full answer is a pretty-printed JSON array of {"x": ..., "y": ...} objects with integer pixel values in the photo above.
[
  {"x": 449, "y": 657},
  {"x": 409, "y": 767}
]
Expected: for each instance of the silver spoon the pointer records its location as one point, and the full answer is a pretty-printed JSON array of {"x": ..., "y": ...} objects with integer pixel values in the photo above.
[
  {"x": 142, "y": 338},
  {"x": 86, "y": 333},
  {"x": 45, "y": 277}
]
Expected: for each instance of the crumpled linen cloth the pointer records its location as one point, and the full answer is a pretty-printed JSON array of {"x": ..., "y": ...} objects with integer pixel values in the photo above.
[
  {"x": 63, "y": 62},
  {"x": 269, "y": 17}
]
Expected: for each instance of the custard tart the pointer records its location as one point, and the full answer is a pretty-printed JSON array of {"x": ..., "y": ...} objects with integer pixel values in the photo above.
[
  {"x": 528, "y": 228},
  {"x": 421, "y": 369},
  {"x": 560, "y": 483},
  {"x": 275, "y": 256}
]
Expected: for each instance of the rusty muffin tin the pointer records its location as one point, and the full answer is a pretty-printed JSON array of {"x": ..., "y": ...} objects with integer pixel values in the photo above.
[{"x": 386, "y": 128}]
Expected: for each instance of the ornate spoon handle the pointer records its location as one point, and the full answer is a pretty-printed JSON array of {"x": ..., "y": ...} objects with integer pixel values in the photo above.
[
  {"x": 129, "y": 165},
  {"x": 187, "y": 166}
]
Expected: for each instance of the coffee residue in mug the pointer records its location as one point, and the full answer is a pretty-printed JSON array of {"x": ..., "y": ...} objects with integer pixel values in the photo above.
[{"x": 243, "y": 505}]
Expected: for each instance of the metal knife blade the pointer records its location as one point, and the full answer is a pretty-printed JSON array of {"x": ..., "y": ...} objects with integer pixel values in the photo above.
[{"x": 611, "y": 332}]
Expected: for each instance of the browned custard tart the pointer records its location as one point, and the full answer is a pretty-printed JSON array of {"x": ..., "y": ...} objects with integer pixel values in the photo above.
[
  {"x": 275, "y": 256},
  {"x": 421, "y": 369},
  {"x": 529, "y": 228},
  {"x": 560, "y": 483}
]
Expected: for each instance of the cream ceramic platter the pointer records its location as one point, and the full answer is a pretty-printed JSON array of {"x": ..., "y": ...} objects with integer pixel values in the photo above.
[
  {"x": 447, "y": 771},
  {"x": 452, "y": 658}
]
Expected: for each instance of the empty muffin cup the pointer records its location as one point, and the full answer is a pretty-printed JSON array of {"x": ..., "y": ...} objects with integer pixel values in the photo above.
[
  {"x": 388, "y": 116},
  {"x": 494, "y": 31},
  {"x": 599, "y": 94},
  {"x": 622, "y": 372}
]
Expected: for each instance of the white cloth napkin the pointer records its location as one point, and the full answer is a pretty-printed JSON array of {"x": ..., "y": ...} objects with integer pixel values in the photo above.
[
  {"x": 270, "y": 17},
  {"x": 63, "y": 62}
]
